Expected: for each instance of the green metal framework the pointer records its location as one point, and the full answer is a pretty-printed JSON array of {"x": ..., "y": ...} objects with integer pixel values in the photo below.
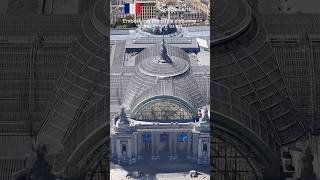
[{"x": 163, "y": 108}]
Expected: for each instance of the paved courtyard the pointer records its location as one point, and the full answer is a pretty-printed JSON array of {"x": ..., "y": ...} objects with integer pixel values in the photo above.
[{"x": 164, "y": 170}]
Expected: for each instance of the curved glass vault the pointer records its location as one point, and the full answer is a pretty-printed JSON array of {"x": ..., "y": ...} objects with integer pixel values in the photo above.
[{"x": 163, "y": 111}]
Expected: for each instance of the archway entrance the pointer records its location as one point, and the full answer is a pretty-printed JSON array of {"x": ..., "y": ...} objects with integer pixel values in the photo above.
[{"x": 165, "y": 145}]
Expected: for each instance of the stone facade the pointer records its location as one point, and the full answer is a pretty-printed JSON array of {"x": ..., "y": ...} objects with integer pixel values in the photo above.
[{"x": 134, "y": 140}]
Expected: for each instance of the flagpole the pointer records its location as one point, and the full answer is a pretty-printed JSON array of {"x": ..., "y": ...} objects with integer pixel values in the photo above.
[{"x": 135, "y": 14}]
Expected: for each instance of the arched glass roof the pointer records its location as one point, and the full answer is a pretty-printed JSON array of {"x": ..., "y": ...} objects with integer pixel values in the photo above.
[{"x": 163, "y": 111}]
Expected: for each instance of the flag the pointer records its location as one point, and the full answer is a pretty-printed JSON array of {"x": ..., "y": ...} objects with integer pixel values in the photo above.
[{"x": 132, "y": 8}]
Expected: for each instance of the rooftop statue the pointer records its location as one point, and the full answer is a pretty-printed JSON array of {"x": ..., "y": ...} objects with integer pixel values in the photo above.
[
  {"x": 164, "y": 57},
  {"x": 205, "y": 117},
  {"x": 122, "y": 117}
]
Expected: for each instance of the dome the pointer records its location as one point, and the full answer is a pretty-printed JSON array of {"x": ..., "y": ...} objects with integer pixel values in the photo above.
[
  {"x": 163, "y": 72},
  {"x": 163, "y": 65},
  {"x": 231, "y": 17},
  {"x": 158, "y": 26}
]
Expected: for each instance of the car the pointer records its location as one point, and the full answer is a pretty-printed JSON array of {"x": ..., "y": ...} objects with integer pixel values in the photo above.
[{"x": 193, "y": 173}]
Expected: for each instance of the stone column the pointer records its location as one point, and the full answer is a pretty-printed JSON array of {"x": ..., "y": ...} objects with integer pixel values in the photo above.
[
  {"x": 118, "y": 149},
  {"x": 135, "y": 147},
  {"x": 129, "y": 150},
  {"x": 140, "y": 145},
  {"x": 170, "y": 145},
  {"x": 208, "y": 151},
  {"x": 153, "y": 145},
  {"x": 199, "y": 151},
  {"x": 175, "y": 156},
  {"x": 112, "y": 143},
  {"x": 195, "y": 145},
  {"x": 189, "y": 145},
  {"x": 157, "y": 144}
]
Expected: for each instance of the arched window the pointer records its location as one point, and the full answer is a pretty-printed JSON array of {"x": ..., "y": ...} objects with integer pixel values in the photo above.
[{"x": 163, "y": 111}]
